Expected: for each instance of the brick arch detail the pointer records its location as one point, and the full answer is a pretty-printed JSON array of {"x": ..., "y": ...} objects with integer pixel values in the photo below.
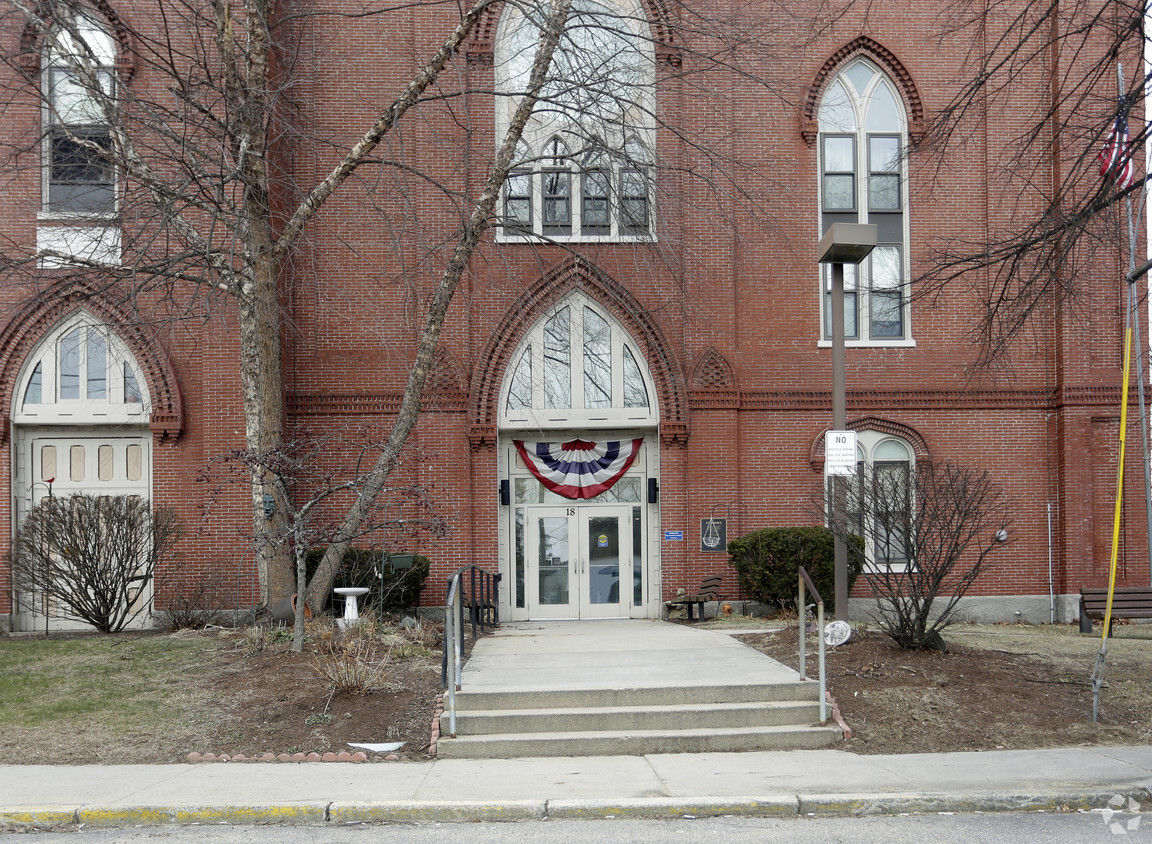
[
  {"x": 30, "y": 40},
  {"x": 576, "y": 274},
  {"x": 481, "y": 42},
  {"x": 28, "y": 325},
  {"x": 888, "y": 62},
  {"x": 713, "y": 372},
  {"x": 914, "y": 438},
  {"x": 447, "y": 385}
]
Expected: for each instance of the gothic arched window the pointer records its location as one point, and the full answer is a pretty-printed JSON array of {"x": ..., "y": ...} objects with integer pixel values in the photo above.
[
  {"x": 82, "y": 372},
  {"x": 863, "y": 142},
  {"x": 577, "y": 366}
]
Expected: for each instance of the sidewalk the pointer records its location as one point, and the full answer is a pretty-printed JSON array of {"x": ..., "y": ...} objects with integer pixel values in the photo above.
[{"x": 778, "y": 783}]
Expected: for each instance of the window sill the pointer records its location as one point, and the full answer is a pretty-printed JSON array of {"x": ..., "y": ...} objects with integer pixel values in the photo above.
[
  {"x": 870, "y": 344},
  {"x": 573, "y": 238},
  {"x": 107, "y": 218}
]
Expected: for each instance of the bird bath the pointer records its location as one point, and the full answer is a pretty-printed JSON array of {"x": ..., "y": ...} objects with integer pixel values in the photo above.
[{"x": 351, "y": 611}]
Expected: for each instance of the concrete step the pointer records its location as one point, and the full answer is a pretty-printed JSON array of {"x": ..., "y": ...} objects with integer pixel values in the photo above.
[
  {"x": 683, "y": 716},
  {"x": 476, "y": 700},
  {"x": 636, "y": 742}
]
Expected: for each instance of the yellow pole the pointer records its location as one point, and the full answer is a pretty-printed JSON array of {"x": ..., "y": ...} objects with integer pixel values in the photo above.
[
  {"x": 1119, "y": 487},
  {"x": 1098, "y": 672}
]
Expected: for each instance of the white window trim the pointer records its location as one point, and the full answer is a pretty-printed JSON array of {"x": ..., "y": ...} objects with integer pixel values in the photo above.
[
  {"x": 47, "y": 212},
  {"x": 539, "y": 418},
  {"x": 864, "y": 287},
  {"x": 52, "y": 409},
  {"x": 510, "y": 234},
  {"x": 867, "y": 442},
  {"x": 541, "y": 129}
]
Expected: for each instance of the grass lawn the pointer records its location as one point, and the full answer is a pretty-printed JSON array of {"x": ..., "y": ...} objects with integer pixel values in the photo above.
[{"x": 109, "y": 699}]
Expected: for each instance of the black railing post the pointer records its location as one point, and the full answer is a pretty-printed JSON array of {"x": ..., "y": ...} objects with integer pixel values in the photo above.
[{"x": 483, "y": 601}]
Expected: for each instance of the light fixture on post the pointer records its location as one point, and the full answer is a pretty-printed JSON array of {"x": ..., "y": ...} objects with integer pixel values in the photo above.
[{"x": 843, "y": 243}]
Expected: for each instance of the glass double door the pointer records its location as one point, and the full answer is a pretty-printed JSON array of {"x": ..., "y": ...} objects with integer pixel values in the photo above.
[{"x": 579, "y": 561}]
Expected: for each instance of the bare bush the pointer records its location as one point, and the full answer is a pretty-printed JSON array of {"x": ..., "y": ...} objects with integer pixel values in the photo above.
[
  {"x": 346, "y": 661},
  {"x": 92, "y": 558},
  {"x": 927, "y": 536},
  {"x": 193, "y": 610}
]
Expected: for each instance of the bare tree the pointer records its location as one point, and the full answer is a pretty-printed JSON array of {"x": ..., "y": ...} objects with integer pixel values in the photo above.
[
  {"x": 196, "y": 160},
  {"x": 93, "y": 558},
  {"x": 927, "y": 536},
  {"x": 317, "y": 491},
  {"x": 1055, "y": 222}
]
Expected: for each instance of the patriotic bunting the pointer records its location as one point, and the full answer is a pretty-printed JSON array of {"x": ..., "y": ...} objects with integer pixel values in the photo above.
[{"x": 578, "y": 468}]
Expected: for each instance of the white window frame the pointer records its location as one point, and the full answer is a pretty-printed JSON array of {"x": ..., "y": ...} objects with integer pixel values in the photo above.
[
  {"x": 613, "y": 145},
  {"x": 53, "y": 65},
  {"x": 858, "y": 280},
  {"x": 52, "y": 408},
  {"x": 540, "y": 417},
  {"x": 868, "y": 442}
]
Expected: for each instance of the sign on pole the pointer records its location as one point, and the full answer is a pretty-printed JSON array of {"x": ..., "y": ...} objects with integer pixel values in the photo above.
[{"x": 840, "y": 453}]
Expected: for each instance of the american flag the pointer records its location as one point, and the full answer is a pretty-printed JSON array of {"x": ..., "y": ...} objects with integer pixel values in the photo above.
[{"x": 1116, "y": 156}]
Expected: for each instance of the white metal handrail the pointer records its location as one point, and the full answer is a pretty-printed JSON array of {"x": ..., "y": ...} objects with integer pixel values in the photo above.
[
  {"x": 805, "y": 580},
  {"x": 453, "y": 611}
]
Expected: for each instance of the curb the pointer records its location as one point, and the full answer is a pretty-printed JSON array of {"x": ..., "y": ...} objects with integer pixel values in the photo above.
[
  {"x": 675, "y": 807},
  {"x": 463, "y": 811},
  {"x": 990, "y": 802},
  {"x": 416, "y": 811}
]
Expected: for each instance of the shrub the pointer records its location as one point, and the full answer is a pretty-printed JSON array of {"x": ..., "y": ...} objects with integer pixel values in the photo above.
[
  {"x": 946, "y": 521},
  {"x": 194, "y": 610},
  {"x": 768, "y": 562},
  {"x": 93, "y": 556},
  {"x": 392, "y": 593},
  {"x": 347, "y": 663}
]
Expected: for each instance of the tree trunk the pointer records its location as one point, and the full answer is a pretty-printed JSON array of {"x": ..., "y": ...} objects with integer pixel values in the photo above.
[{"x": 263, "y": 391}]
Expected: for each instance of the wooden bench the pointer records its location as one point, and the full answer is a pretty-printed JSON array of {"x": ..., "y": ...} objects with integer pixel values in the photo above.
[
  {"x": 709, "y": 591},
  {"x": 1127, "y": 602}
]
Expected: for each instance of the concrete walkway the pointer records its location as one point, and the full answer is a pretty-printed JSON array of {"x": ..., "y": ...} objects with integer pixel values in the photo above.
[
  {"x": 613, "y": 654},
  {"x": 777, "y": 783}
]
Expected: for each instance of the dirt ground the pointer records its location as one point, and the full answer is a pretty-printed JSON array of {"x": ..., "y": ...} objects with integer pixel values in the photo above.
[
  {"x": 997, "y": 687},
  {"x": 1010, "y": 687},
  {"x": 272, "y": 700}
]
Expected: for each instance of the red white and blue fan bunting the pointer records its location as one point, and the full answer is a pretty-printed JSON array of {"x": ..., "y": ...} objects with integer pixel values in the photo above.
[{"x": 578, "y": 468}]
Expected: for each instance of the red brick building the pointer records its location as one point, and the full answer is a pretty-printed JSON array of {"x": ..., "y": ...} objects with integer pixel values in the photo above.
[{"x": 649, "y": 286}]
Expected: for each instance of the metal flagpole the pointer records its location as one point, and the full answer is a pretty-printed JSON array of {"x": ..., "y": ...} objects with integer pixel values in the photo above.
[
  {"x": 1134, "y": 316},
  {"x": 1132, "y": 320}
]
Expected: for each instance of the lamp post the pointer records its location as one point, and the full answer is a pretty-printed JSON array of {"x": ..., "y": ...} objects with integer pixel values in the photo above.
[{"x": 843, "y": 243}]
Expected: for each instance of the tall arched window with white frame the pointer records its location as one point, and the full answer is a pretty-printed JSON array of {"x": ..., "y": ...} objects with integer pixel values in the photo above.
[
  {"x": 863, "y": 150},
  {"x": 584, "y": 167}
]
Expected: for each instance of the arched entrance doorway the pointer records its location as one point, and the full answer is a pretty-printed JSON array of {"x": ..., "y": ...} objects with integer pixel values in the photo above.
[
  {"x": 80, "y": 419},
  {"x": 579, "y": 453}
]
